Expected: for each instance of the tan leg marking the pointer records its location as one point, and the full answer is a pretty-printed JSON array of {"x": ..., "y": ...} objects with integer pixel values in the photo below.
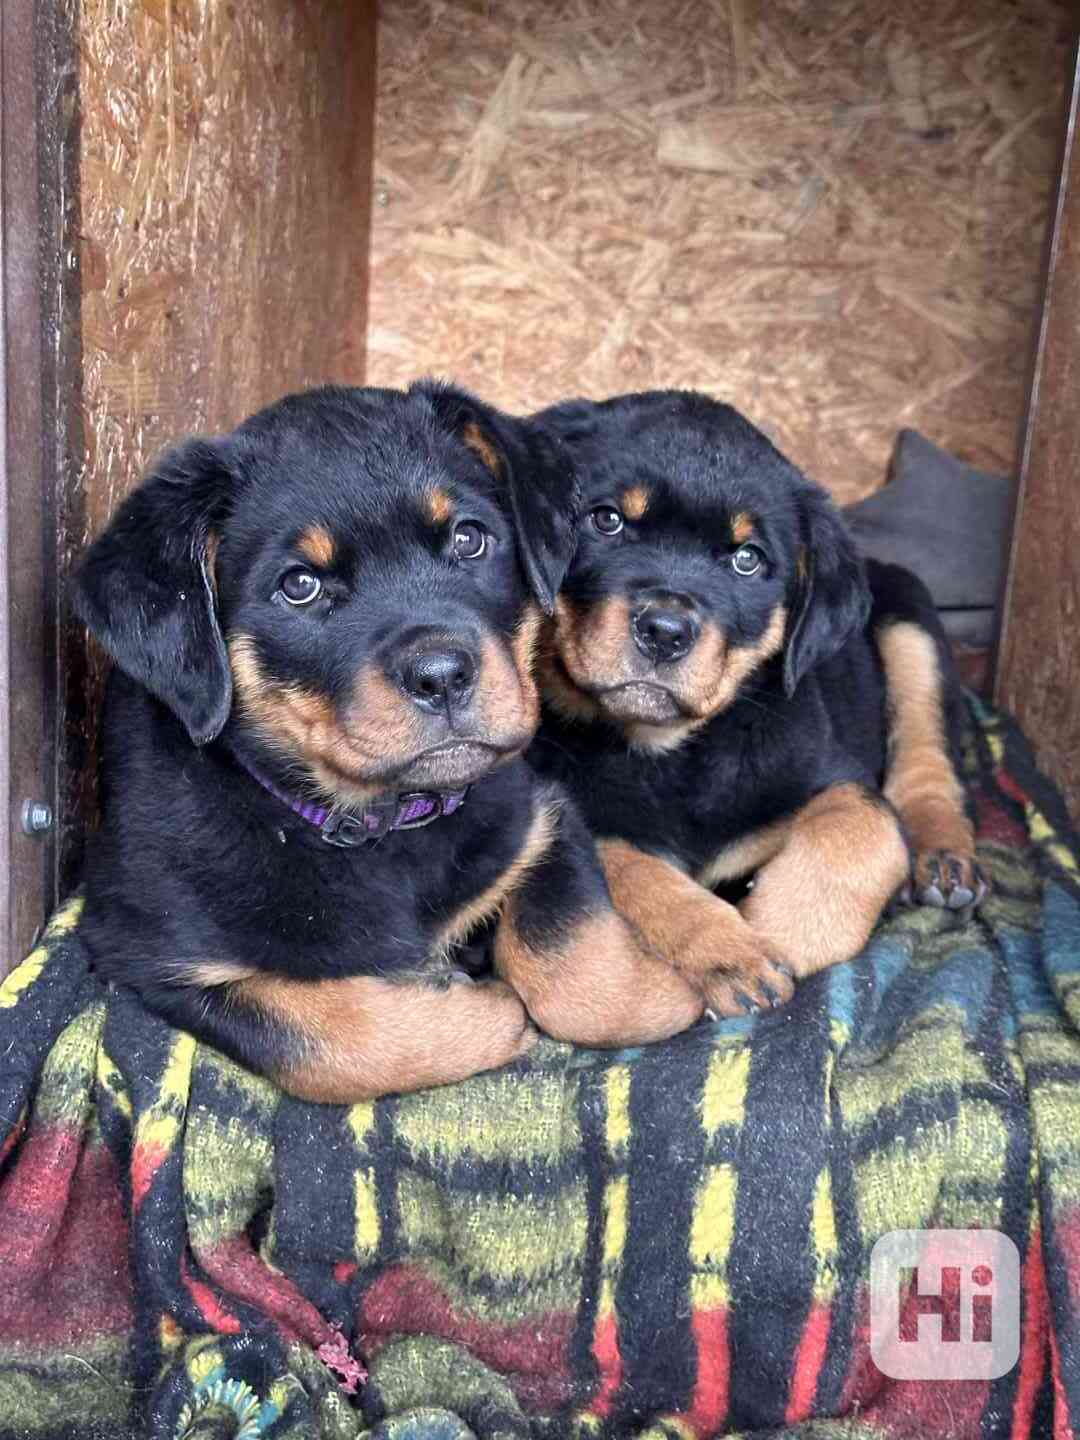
[
  {"x": 745, "y": 855},
  {"x": 364, "y": 1037},
  {"x": 537, "y": 843},
  {"x": 596, "y": 985},
  {"x": 820, "y": 897},
  {"x": 920, "y": 780},
  {"x": 695, "y": 932}
]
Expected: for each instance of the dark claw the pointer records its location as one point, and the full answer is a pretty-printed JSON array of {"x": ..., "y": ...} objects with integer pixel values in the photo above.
[
  {"x": 961, "y": 897},
  {"x": 931, "y": 895},
  {"x": 746, "y": 1005},
  {"x": 784, "y": 970}
]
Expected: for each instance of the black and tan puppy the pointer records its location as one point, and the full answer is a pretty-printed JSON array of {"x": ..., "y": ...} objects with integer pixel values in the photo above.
[
  {"x": 717, "y": 705},
  {"x": 313, "y": 785}
]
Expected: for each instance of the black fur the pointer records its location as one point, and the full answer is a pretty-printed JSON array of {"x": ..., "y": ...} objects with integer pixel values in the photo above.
[
  {"x": 196, "y": 861},
  {"x": 808, "y": 717}
]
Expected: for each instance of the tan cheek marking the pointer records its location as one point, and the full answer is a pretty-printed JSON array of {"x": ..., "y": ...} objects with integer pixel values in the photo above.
[
  {"x": 745, "y": 855},
  {"x": 820, "y": 897},
  {"x": 507, "y": 700},
  {"x": 363, "y": 1037},
  {"x": 475, "y": 440},
  {"x": 920, "y": 780},
  {"x": 742, "y": 527},
  {"x": 635, "y": 502},
  {"x": 306, "y": 726},
  {"x": 438, "y": 507},
  {"x": 316, "y": 544},
  {"x": 537, "y": 842}
]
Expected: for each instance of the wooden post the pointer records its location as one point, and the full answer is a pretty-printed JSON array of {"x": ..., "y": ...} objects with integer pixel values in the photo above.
[{"x": 1038, "y": 670}]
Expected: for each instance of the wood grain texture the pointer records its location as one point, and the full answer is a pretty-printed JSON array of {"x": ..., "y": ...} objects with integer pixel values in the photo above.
[
  {"x": 39, "y": 351},
  {"x": 1038, "y": 675},
  {"x": 225, "y": 192}
]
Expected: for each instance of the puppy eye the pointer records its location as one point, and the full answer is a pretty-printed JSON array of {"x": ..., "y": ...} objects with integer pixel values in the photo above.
[
  {"x": 747, "y": 560},
  {"x": 470, "y": 540},
  {"x": 606, "y": 519},
  {"x": 300, "y": 587}
]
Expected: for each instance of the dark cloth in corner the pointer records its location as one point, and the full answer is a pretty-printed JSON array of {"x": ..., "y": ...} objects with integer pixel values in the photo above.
[{"x": 948, "y": 523}]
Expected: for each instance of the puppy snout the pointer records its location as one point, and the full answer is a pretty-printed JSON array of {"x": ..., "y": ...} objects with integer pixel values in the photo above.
[
  {"x": 663, "y": 632},
  {"x": 440, "y": 678}
]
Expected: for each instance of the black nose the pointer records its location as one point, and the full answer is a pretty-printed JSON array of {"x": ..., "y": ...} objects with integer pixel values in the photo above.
[
  {"x": 663, "y": 633},
  {"x": 439, "y": 679}
]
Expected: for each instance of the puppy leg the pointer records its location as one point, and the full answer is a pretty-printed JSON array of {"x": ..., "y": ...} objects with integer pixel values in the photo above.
[
  {"x": 701, "y": 936},
  {"x": 577, "y": 964},
  {"x": 357, "y": 1038},
  {"x": 920, "y": 778},
  {"x": 819, "y": 899}
]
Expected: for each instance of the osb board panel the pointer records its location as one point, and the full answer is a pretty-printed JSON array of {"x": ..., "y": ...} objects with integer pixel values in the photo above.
[
  {"x": 1039, "y": 673},
  {"x": 225, "y": 177},
  {"x": 830, "y": 214}
]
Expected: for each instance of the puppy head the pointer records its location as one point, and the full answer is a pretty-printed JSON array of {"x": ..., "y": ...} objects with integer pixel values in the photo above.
[
  {"x": 706, "y": 563},
  {"x": 335, "y": 588}
]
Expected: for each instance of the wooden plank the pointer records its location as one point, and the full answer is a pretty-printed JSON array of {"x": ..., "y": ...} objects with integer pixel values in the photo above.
[
  {"x": 1038, "y": 672},
  {"x": 36, "y": 348},
  {"x": 225, "y": 191}
]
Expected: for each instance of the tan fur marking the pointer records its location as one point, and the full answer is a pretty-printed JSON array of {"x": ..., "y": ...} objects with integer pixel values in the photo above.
[
  {"x": 742, "y": 527},
  {"x": 507, "y": 699},
  {"x": 364, "y": 1037},
  {"x": 596, "y": 986},
  {"x": 214, "y": 972},
  {"x": 697, "y": 933},
  {"x": 438, "y": 506},
  {"x": 339, "y": 757},
  {"x": 213, "y": 540},
  {"x": 820, "y": 897},
  {"x": 317, "y": 545},
  {"x": 745, "y": 855},
  {"x": 537, "y": 842},
  {"x": 475, "y": 439},
  {"x": 920, "y": 780},
  {"x": 595, "y": 649},
  {"x": 635, "y": 502}
]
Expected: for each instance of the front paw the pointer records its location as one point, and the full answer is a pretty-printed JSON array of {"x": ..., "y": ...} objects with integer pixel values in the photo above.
[{"x": 751, "y": 976}]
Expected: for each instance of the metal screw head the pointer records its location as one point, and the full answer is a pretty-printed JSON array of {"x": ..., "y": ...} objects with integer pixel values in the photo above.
[{"x": 37, "y": 817}]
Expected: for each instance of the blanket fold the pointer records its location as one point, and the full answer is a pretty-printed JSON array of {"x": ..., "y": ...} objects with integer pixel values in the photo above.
[{"x": 665, "y": 1243}]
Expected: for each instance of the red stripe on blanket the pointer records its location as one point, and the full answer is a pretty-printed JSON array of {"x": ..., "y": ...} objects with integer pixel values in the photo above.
[
  {"x": 1033, "y": 1340},
  {"x": 809, "y": 1358},
  {"x": 239, "y": 1271},
  {"x": 993, "y": 821},
  {"x": 63, "y": 1243},
  {"x": 608, "y": 1357},
  {"x": 210, "y": 1308},
  {"x": 1062, "y": 1428},
  {"x": 532, "y": 1353},
  {"x": 145, "y": 1162},
  {"x": 709, "y": 1401}
]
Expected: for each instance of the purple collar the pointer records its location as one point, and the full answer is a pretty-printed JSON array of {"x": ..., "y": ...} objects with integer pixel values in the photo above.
[{"x": 410, "y": 811}]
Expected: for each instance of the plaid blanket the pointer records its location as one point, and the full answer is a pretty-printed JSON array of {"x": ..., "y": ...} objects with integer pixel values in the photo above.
[{"x": 667, "y": 1243}]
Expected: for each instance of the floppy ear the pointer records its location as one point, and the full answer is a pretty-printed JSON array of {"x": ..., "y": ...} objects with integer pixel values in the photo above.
[
  {"x": 146, "y": 587},
  {"x": 832, "y": 598},
  {"x": 537, "y": 481}
]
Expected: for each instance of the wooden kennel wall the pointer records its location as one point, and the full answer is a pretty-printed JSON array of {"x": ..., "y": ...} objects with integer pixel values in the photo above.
[{"x": 184, "y": 234}]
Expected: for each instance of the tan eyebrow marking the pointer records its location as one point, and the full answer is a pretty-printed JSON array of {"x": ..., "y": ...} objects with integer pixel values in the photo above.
[
  {"x": 317, "y": 545},
  {"x": 438, "y": 506},
  {"x": 635, "y": 502},
  {"x": 479, "y": 444},
  {"x": 742, "y": 527}
]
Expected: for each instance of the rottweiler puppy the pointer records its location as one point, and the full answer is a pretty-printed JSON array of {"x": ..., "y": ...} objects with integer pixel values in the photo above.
[
  {"x": 313, "y": 784},
  {"x": 717, "y": 704}
]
